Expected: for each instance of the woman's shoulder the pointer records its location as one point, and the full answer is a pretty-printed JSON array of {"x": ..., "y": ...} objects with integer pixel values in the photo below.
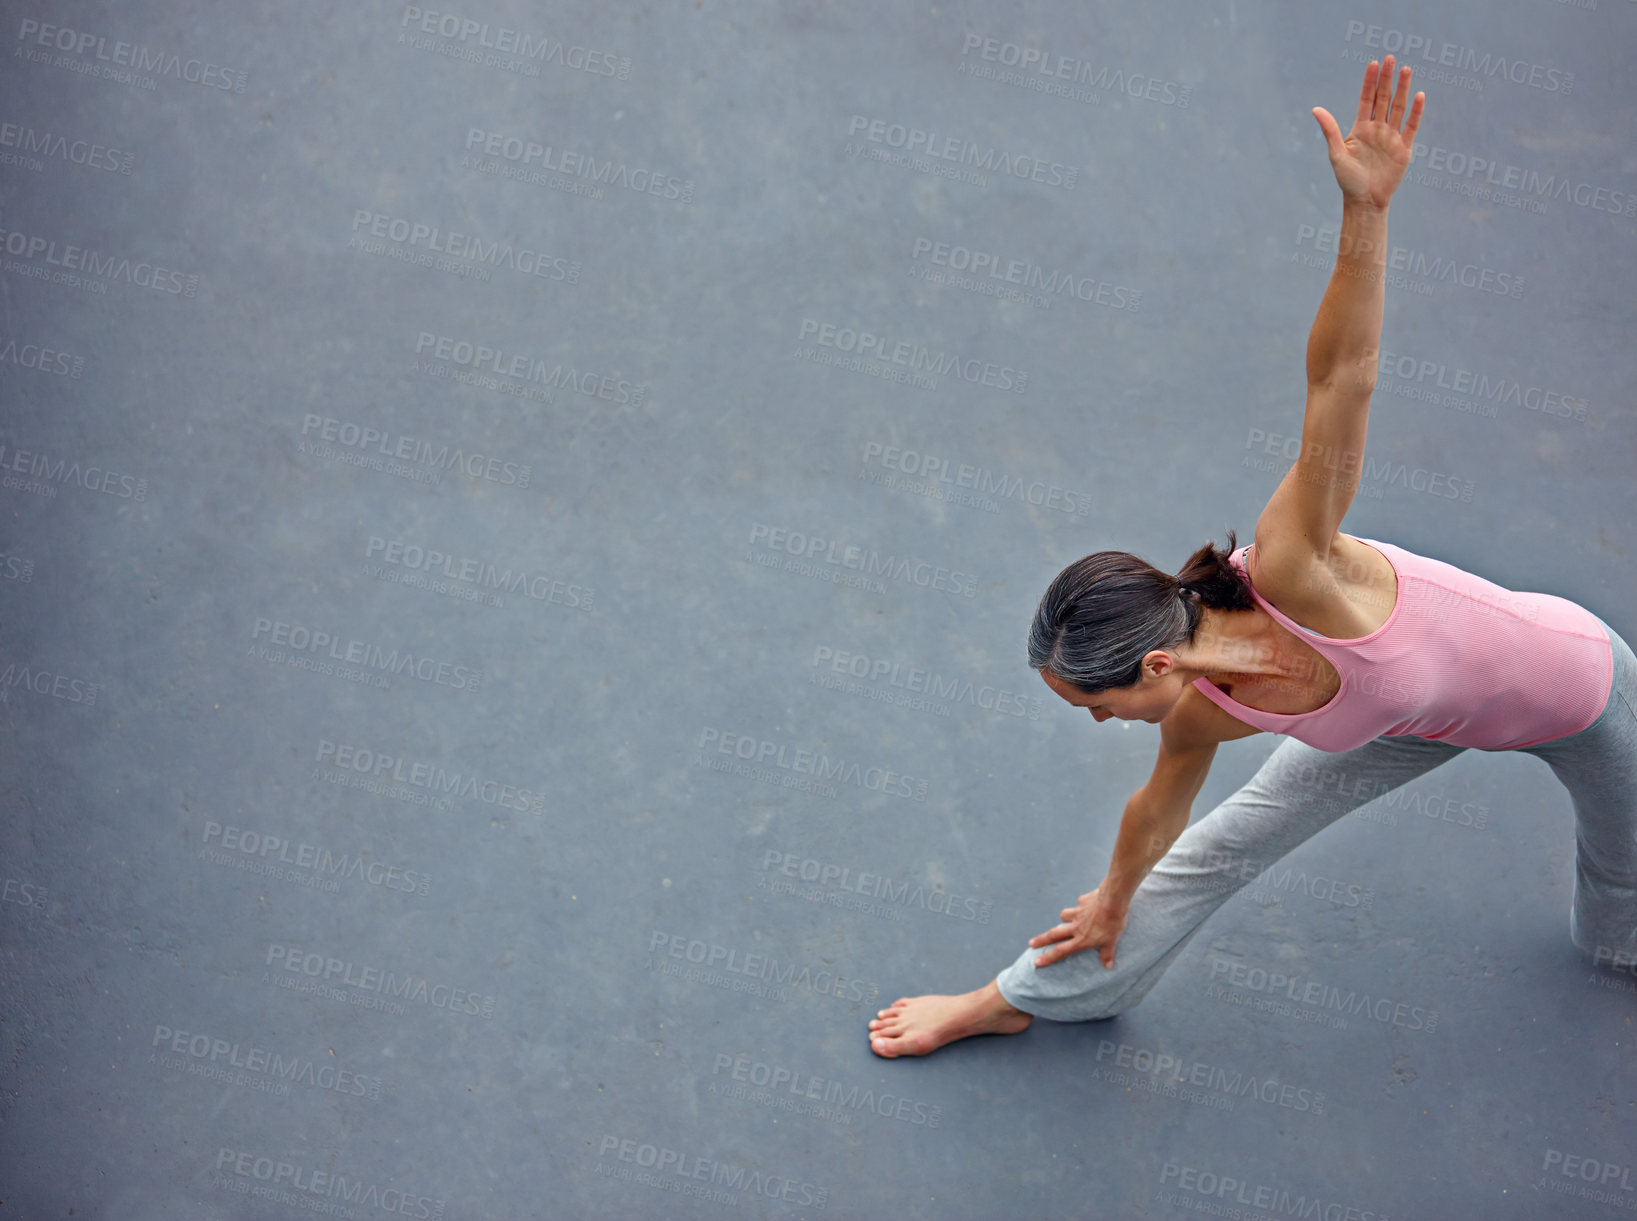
[{"x": 1344, "y": 591}]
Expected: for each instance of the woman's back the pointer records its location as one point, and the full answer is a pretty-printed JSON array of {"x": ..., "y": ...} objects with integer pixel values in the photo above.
[{"x": 1458, "y": 659}]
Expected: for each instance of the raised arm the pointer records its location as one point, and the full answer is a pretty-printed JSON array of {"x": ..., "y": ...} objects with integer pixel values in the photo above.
[{"x": 1305, "y": 512}]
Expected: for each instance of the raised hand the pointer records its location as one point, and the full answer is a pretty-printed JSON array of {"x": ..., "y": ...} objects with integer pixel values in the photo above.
[{"x": 1371, "y": 161}]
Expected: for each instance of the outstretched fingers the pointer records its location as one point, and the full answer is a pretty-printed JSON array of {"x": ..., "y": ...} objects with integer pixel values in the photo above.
[
  {"x": 1414, "y": 120},
  {"x": 1367, "y": 93},
  {"x": 1379, "y": 100},
  {"x": 1057, "y": 953},
  {"x": 1383, "y": 91},
  {"x": 1056, "y": 933},
  {"x": 1400, "y": 103}
]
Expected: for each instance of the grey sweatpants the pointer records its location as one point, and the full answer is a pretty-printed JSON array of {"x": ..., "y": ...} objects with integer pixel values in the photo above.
[{"x": 1300, "y": 790}]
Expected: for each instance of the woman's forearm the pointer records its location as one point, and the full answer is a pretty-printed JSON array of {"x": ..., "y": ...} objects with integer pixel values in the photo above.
[
  {"x": 1146, "y": 834},
  {"x": 1346, "y": 336}
]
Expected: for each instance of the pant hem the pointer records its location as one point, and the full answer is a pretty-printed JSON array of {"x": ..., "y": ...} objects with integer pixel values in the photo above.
[{"x": 1001, "y": 988}]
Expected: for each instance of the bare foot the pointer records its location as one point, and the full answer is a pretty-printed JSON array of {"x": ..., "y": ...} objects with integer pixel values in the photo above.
[{"x": 921, "y": 1024}]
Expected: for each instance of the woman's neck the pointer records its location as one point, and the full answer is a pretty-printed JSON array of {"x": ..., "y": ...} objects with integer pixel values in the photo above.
[{"x": 1245, "y": 644}]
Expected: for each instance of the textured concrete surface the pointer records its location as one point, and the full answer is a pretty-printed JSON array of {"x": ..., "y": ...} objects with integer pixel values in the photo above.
[{"x": 502, "y": 679}]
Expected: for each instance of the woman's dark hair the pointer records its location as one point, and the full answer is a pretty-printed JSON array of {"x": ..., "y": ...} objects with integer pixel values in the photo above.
[{"x": 1104, "y": 613}]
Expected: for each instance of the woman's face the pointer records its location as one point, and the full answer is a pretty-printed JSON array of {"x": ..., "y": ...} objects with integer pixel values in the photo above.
[{"x": 1148, "y": 699}]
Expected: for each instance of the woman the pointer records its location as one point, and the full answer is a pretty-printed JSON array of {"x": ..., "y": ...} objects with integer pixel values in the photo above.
[{"x": 1375, "y": 662}]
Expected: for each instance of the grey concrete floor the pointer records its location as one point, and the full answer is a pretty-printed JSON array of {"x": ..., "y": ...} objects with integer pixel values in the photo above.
[{"x": 462, "y": 467}]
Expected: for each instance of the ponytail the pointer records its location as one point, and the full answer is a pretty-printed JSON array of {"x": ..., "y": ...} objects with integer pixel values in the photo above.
[{"x": 1211, "y": 573}]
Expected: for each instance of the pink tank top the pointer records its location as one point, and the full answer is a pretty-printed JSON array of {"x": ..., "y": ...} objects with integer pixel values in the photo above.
[{"x": 1460, "y": 660}]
